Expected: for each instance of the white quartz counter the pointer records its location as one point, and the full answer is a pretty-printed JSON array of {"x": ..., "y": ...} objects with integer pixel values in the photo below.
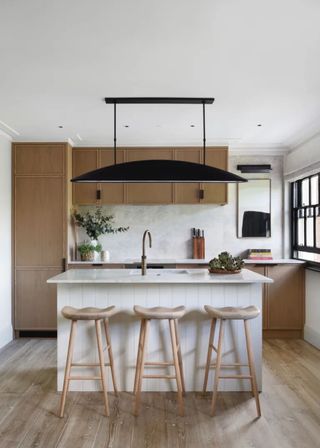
[
  {"x": 174, "y": 261},
  {"x": 166, "y": 276}
]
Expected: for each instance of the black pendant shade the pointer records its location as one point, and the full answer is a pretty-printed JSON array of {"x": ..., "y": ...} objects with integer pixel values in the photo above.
[
  {"x": 159, "y": 171},
  {"x": 165, "y": 171}
]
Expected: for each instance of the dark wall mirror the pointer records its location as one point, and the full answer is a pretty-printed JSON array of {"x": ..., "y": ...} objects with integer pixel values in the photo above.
[{"x": 254, "y": 209}]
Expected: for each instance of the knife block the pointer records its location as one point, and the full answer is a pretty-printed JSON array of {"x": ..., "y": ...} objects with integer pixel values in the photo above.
[{"x": 198, "y": 245}]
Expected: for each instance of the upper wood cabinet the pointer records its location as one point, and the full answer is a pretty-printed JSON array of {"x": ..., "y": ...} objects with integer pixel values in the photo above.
[
  {"x": 39, "y": 159},
  {"x": 84, "y": 160},
  {"x": 187, "y": 193},
  {"x": 87, "y": 159},
  {"x": 155, "y": 193},
  {"x": 216, "y": 193},
  {"x": 111, "y": 193}
]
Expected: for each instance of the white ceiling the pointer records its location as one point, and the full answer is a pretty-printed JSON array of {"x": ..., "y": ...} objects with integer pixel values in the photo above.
[{"x": 260, "y": 60}]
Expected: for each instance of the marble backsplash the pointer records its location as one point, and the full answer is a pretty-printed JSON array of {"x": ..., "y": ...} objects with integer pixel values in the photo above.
[{"x": 170, "y": 225}]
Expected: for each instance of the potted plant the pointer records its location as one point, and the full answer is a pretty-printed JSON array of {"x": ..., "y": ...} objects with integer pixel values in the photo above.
[
  {"x": 225, "y": 264},
  {"x": 88, "y": 250},
  {"x": 96, "y": 224}
]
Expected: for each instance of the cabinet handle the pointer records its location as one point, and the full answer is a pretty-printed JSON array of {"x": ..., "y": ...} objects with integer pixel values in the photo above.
[
  {"x": 201, "y": 193},
  {"x": 98, "y": 195},
  {"x": 64, "y": 264}
]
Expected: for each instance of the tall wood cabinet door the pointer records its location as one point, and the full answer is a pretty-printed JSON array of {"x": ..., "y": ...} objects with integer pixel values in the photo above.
[
  {"x": 111, "y": 193},
  {"x": 35, "y": 299},
  {"x": 84, "y": 160},
  {"x": 187, "y": 193},
  {"x": 216, "y": 193},
  {"x": 40, "y": 215},
  {"x": 151, "y": 193},
  {"x": 261, "y": 270},
  {"x": 285, "y": 297}
]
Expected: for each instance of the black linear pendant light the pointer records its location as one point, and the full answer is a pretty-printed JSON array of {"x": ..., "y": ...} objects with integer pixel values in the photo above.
[{"x": 159, "y": 170}]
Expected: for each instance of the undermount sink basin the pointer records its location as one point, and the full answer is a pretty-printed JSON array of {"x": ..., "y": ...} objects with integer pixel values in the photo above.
[{"x": 160, "y": 272}]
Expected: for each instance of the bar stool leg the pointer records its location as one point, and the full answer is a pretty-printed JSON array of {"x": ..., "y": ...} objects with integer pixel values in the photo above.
[
  {"x": 108, "y": 339},
  {"x": 209, "y": 356},
  {"x": 141, "y": 335},
  {"x": 140, "y": 369},
  {"x": 218, "y": 365},
  {"x": 252, "y": 368},
  {"x": 179, "y": 355},
  {"x": 102, "y": 366},
  {"x": 176, "y": 366},
  {"x": 66, "y": 380}
]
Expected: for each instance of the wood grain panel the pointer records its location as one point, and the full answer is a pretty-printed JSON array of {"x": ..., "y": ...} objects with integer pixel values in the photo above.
[
  {"x": 36, "y": 301},
  {"x": 187, "y": 193},
  {"x": 39, "y": 221},
  {"x": 152, "y": 193},
  {"x": 216, "y": 193},
  {"x": 84, "y": 160},
  {"x": 111, "y": 193},
  {"x": 261, "y": 270},
  {"x": 285, "y": 297},
  {"x": 39, "y": 158}
]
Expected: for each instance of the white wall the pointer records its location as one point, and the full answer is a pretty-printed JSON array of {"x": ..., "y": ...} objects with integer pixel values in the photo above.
[
  {"x": 305, "y": 160},
  {"x": 5, "y": 232},
  {"x": 171, "y": 225}
]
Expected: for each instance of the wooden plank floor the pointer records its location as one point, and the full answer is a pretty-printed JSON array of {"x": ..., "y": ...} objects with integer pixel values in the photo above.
[{"x": 29, "y": 403}]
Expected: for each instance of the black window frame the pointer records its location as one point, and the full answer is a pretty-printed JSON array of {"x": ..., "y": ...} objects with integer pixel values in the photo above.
[{"x": 312, "y": 210}]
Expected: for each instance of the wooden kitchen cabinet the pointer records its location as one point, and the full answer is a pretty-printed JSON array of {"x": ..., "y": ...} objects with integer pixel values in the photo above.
[
  {"x": 152, "y": 193},
  {"x": 111, "y": 193},
  {"x": 84, "y": 160},
  {"x": 285, "y": 298},
  {"x": 40, "y": 173},
  {"x": 187, "y": 193},
  {"x": 216, "y": 193}
]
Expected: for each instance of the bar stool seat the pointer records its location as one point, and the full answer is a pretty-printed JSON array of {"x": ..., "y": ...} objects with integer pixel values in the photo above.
[
  {"x": 160, "y": 312},
  {"x": 222, "y": 315},
  {"x": 89, "y": 313},
  {"x": 231, "y": 312},
  {"x": 172, "y": 315},
  {"x": 98, "y": 316}
]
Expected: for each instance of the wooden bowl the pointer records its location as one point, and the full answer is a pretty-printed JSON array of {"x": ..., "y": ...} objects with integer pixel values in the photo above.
[{"x": 223, "y": 271}]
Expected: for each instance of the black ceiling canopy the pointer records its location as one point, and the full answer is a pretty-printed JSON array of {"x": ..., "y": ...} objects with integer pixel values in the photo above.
[{"x": 159, "y": 170}]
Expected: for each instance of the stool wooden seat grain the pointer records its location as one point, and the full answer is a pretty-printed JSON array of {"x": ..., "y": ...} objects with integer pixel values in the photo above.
[
  {"x": 97, "y": 315},
  {"x": 223, "y": 314},
  {"x": 172, "y": 315}
]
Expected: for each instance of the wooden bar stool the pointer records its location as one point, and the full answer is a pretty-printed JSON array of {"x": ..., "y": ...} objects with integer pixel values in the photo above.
[
  {"x": 223, "y": 314},
  {"x": 172, "y": 315},
  {"x": 97, "y": 315}
]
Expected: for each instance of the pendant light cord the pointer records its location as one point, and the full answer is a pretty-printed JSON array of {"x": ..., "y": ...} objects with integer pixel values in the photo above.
[
  {"x": 115, "y": 133},
  {"x": 204, "y": 131}
]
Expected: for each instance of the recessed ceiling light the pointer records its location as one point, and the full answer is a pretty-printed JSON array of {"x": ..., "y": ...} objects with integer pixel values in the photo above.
[
  {"x": 259, "y": 125},
  {"x": 192, "y": 125},
  {"x": 60, "y": 127}
]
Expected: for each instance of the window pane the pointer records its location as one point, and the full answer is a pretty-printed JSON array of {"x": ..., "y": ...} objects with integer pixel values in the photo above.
[
  {"x": 305, "y": 191},
  {"x": 295, "y": 194},
  {"x": 318, "y": 227},
  {"x": 310, "y": 224},
  {"x": 300, "y": 228},
  {"x": 314, "y": 190},
  {"x": 309, "y": 256}
]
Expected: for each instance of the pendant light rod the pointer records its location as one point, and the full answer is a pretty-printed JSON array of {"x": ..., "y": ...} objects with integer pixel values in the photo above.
[
  {"x": 204, "y": 131},
  {"x": 115, "y": 133}
]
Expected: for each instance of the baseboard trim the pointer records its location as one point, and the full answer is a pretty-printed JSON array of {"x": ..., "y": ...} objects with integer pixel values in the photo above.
[
  {"x": 282, "y": 334},
  {"x": 312, "y": 336},
  {"x": 6, "y": 335}
]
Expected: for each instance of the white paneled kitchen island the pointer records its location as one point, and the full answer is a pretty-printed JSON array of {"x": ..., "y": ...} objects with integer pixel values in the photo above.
[{"x": 125, "y": 288}]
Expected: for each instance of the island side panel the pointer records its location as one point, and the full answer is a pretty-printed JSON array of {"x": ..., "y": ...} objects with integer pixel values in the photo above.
[{"x": 194, "y": 331}]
